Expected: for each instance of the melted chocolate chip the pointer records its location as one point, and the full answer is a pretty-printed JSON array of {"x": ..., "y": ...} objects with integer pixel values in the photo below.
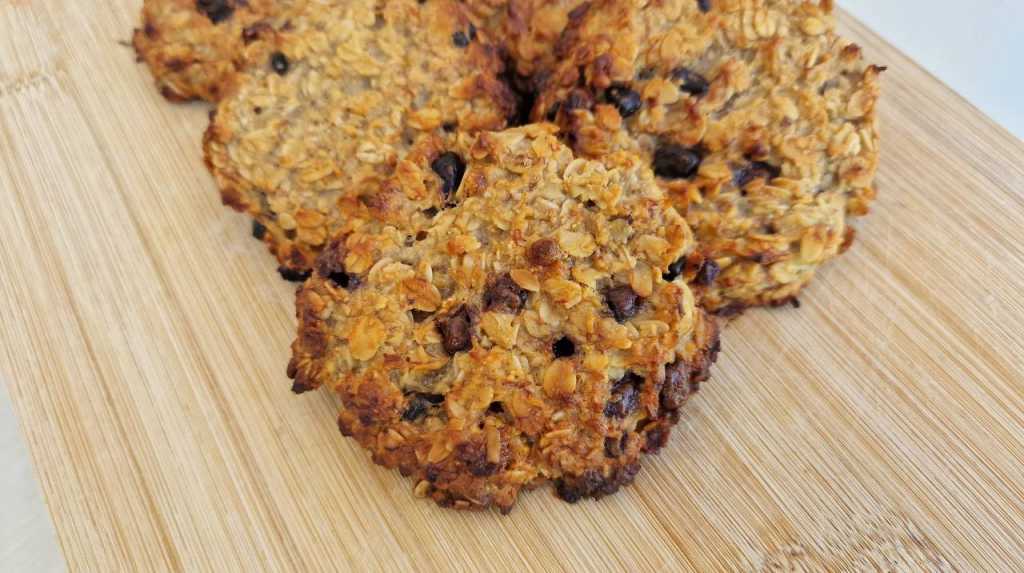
[
  {"x": 279, "y": 63},
  {"x": 704, "y": 5},
  {"x": 626, "y": 100},
  {"x": 743, "y": 175},
  {"x": 674, "y": 161},
  {"x": 690, "y": 81},
  {"x": 543, "y": 252},
  {"x": 675, "y": 269},
  {"x": 460, "y": 39},
  {"x": 293, "y": 275},
  {"x": 564, "y": 347},
  {"x": 504, "y": 295},
  {"x": 258, "y": 230},
  {"x": 343, "y": 279},
  {"x": 623, "y": 302},
  {"x": 457, "y": 330},
  {"x": 216, "y": 10},
  {"x": 419, "y": 404},
  {"x": 496, "y": 408},
  {"x": 625, "y": 396},
  {"x": 450, "y": 168},
  {"x": 676, "y": 388},
  {"x": 707, "y": 273},
  {"x": 420, "y": 315}
]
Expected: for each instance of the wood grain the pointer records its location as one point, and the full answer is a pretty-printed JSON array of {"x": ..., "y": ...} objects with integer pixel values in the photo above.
[{"x": 145, "y": 335}]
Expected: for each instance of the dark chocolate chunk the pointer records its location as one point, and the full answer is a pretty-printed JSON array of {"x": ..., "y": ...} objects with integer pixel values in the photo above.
[
  {"x": 626, "y": 100},
  {"x": 419, "y": 404},
  {"x": 675, "y": 269},
  {"x": 676, "y": 388},
  {"x": 293, "y": 275},
  {"x": 625, "y": 396},
  {"x": 690, "y": 81},
  {"x": 564, "y": 347},
  {"x": 258, "y": 230},
  {"x": 623, "y": 302},
  {"x": 216, "y": 10},
  {"x": 279, "y": 63},
  {"x": 457, "y": 330},
  {"x": 674, "y": 161},
  {"x": 504, "y": 295},
  {"x": 744, "y": 174},
  {"x": 707, "y": 273},
  {"x": 450, "y": 168},
  {"x": 704, "y": 5}
]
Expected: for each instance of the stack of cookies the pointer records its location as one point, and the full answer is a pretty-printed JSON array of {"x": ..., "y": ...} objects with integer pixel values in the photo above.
[{"x": 516, "y": 222}]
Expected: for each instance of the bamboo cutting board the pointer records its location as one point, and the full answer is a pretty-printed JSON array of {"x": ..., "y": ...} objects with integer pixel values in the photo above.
[{"x": 145, "y": 337}]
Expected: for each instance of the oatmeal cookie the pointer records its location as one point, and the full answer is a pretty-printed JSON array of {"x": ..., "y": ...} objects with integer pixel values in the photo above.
[
  {"x": 758, "y": 119},
  {"x": 192, "y": 47},
  {"x": 331, "y": 103},
  {"x": 526, "y": 334}
]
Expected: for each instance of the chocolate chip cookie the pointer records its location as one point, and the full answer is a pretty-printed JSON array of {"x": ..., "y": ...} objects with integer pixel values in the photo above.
[
  {"x": 192, "y": 47},
  {"x": 757, "y": 118},
  {"x": 330, "y": 104},
  {"x": 525, "y": 333}
]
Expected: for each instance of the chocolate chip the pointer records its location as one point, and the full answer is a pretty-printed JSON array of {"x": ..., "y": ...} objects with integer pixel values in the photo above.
[
  {"x": 457, "y": 330},
  {"x": 216, "y": 10},
  {"x": 252, "y": 33},
  {"x": 690, "y": 81},
  {"x": 623, "y": 302},
  {"x": 293, "y": 275},
  {"x": 343, "y": 279},
  {"x": 420, "y": 315},
  {"x": 676, "y": 388},
  {"x": 563, "y": 347},
  {"x": 704, "y": 5},
  {"x": 419, "y": 404},
  {"x": 675, "y": 269},
  {"x": 279, "y": 63},
  {"x": 543, "y": 252},
  {"x": 504, "y": 295},
  {"x": 707, "y": 273},
  {"x": 496, "y": 408},
  {"x": 743, "y": 175},
  {"x": 449, "y": 126},
  {"x": 674, "y": 161},
  {"x": 430, "y": 212},
  {"x": 258, "y": 230},
  {"x": 450, "y": 168},
  {"x": 626, "y": 100},
  {"x": 462, "y": 39},
  {"x": 625, "y": 396}
]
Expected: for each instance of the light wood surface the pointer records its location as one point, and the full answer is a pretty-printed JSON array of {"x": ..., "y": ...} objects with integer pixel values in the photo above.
[{"x": 144, "y": 338}]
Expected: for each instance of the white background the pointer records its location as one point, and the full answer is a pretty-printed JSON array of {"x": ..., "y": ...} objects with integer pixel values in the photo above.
[{"x": 975, "y": 46}]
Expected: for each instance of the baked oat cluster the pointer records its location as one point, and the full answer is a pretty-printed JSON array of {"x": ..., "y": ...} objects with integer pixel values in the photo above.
[
  {"x": 526, "y": 333},
  {"x": 515, "y": 220}
]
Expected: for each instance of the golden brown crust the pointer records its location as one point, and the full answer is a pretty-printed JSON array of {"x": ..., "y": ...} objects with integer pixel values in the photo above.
[
  {"x": 327, "y": 107},
  {"x": 759, "y": 119},
  {"x": 479, "y": 358},
  {"x": 193, "y": 47}
]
